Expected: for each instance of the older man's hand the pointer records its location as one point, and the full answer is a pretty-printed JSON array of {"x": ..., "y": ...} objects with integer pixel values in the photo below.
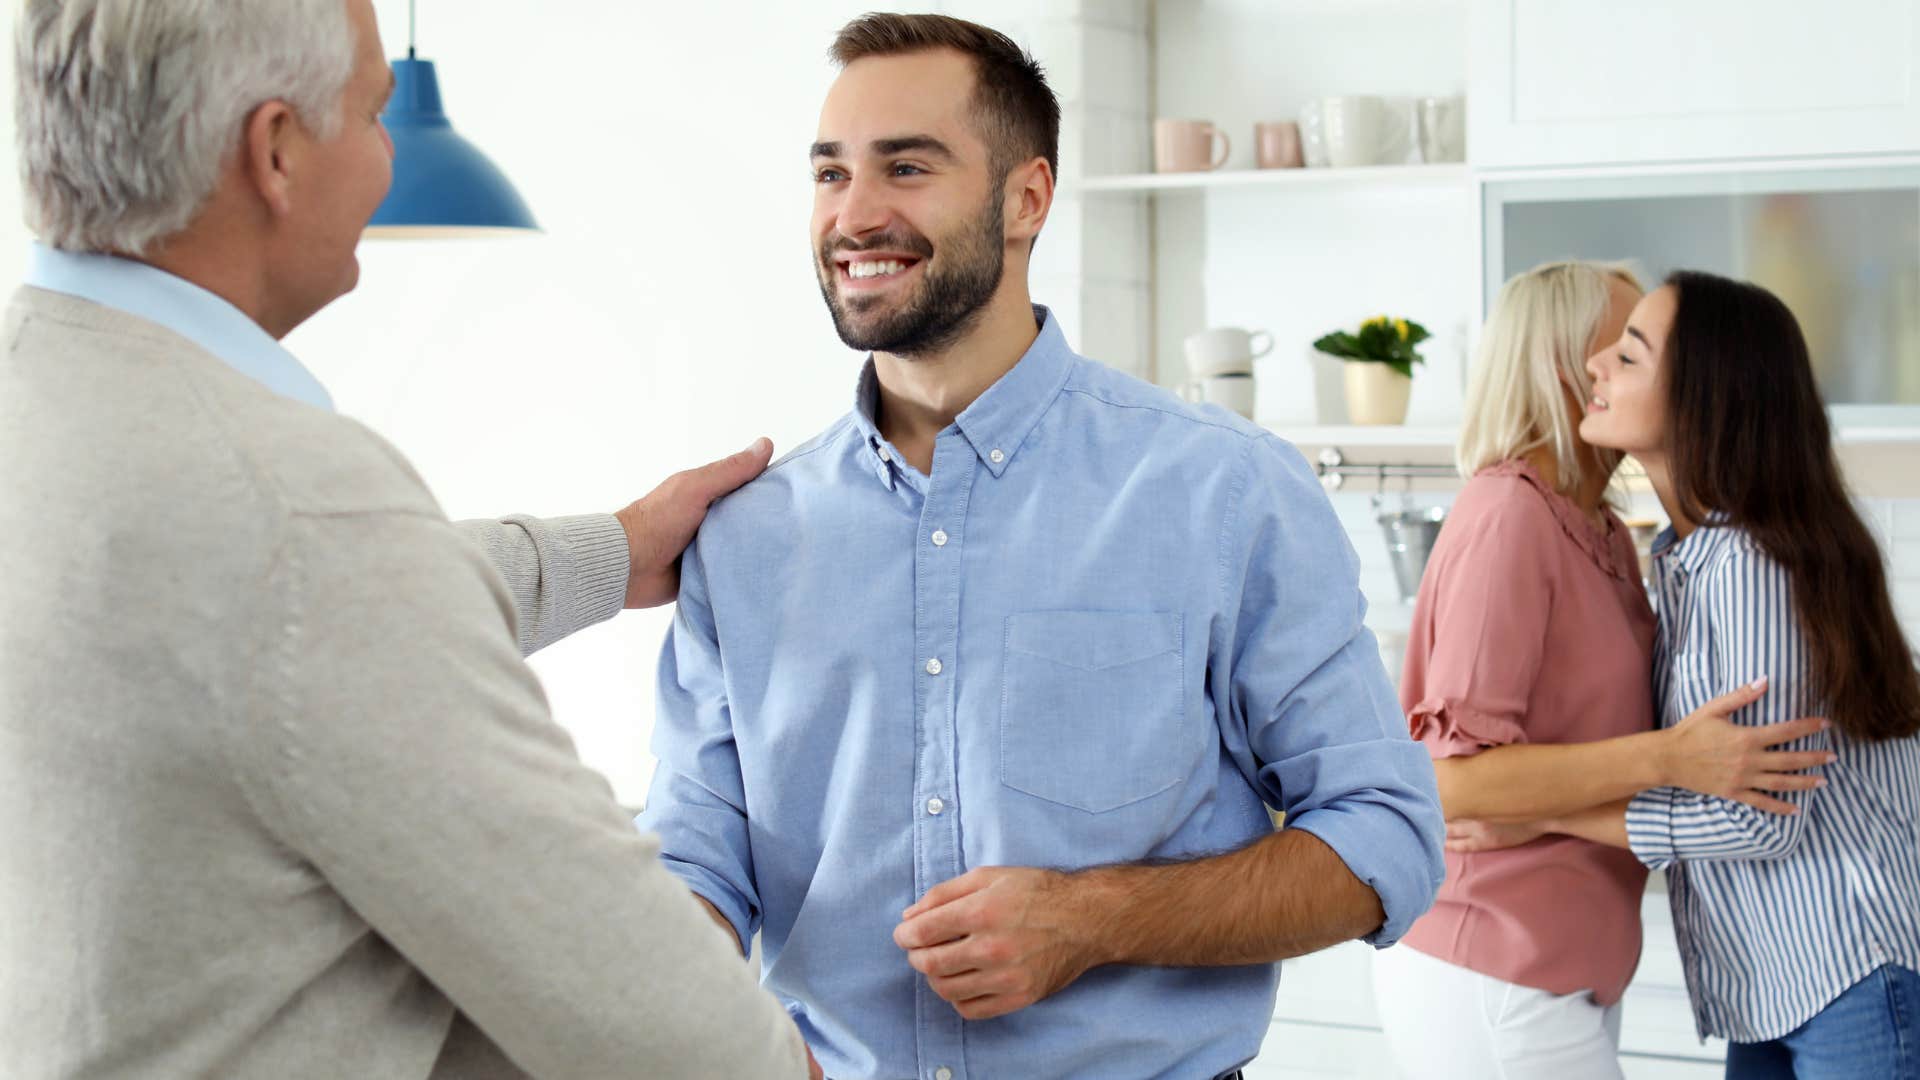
[
  {"x": 661, "y": 524},
  {"x": 999, "y": 938}
]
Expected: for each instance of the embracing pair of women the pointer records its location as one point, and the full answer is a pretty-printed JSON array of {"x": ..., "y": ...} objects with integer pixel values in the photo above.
[{"x": 1756, "y": 740}]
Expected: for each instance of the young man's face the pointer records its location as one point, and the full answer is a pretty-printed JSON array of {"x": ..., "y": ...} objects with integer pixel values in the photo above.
[{"x": 908, "y": 219}]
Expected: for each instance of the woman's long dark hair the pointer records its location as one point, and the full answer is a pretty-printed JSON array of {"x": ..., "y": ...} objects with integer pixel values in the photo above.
[{"x": 1750, "y": 439}]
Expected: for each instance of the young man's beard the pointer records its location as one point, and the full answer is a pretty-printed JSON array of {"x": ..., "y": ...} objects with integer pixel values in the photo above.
[{"x": 947, "y": 302}]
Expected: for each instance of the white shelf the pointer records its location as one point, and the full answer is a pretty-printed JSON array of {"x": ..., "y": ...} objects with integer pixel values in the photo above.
[
  {"x": 1854, "y": 436},
  {"x": 1345, "y": 435},
  {"x": 1380, "y": 176}
]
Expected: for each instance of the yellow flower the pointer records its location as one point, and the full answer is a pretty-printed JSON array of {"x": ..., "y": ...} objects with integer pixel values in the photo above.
[
  {"x": 1400, "y": 327},
  {"x": 1377, "y": 320}
]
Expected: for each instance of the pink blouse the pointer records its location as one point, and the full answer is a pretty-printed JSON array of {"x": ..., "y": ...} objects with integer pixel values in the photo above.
[{"x": 1531, "y": 626}]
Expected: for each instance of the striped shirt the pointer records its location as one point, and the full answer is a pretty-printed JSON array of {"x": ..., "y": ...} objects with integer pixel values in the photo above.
[{"x": 1776, "y": 915}]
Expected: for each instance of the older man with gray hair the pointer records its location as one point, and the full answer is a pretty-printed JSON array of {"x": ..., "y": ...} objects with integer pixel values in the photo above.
[{"x": 278, "y": 795}]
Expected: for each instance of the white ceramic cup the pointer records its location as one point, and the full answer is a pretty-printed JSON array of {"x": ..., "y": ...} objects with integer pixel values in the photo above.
[
  {"x": 1443, "y": 129},
  {"x": 1225, "y": 350},
  {"x": 1355, "y": 130},
  {"x": 1233, "y": 393}
]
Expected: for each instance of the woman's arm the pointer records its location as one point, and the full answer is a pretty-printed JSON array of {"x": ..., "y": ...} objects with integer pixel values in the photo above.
[
  {"x": 1707, "y": 753},
  {"x": 1526, "y": 782},
  {"x": 1604, "y": 824}
]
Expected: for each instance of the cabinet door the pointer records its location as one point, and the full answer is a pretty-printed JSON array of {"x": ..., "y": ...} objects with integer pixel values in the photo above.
[{"x": 1572, "y": 82}]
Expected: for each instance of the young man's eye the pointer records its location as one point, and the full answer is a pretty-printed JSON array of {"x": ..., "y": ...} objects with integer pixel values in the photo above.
[
  {"x": 907, "y": 170},
  {"x": 827, "y": 176}
]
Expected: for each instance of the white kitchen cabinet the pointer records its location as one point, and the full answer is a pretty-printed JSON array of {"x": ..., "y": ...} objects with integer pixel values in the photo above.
[
  {"x": 1836, "y": 239},
  {"x": 1571, "y": 82}
]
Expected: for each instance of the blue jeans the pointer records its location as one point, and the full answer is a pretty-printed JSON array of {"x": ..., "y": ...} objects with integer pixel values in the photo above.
[{"x": 1870, "y": 1032}]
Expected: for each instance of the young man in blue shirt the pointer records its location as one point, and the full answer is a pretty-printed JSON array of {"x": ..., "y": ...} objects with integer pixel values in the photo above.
[{"x": 974, "y": 704}]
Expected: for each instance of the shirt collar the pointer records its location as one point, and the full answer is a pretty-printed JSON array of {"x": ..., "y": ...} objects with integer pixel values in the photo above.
[
  {"x": 179, "y": 305},
  {"x": 996, "y": 425},
  {"x": 1692, "y": 552}
]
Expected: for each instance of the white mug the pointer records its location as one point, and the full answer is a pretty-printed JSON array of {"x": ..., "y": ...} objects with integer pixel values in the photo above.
[
  {"x": 1233, "y": 393},
  {"x": 1443, "y": 129},
  {"x": 1355, "y": 130},
  {"x": 1226, "y": 350}
]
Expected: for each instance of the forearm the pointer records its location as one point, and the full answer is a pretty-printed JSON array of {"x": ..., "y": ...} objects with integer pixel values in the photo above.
[
  {"x": 1603, "y": 824},
  {"x": 1284, "y": 895},
  {"x": 564, "y": 574},
  {"x": 1530, "y": 781}
]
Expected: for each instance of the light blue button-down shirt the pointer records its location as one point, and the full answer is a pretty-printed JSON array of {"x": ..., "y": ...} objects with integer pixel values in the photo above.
[
  {"x": 182, "y": 307},
  {"x": 1106, "y": 628}
]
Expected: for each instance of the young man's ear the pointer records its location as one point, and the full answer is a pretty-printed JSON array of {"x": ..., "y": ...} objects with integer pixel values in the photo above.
[
  {"x": 267, "y": 153},
  {"x": 1029, "y": 198}
]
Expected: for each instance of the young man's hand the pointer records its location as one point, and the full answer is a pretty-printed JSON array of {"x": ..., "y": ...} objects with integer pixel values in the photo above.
[{"x": 999, "y": 938}]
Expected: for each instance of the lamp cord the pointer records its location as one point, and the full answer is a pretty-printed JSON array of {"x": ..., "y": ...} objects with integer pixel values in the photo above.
[{"x": 410, "y": 29}]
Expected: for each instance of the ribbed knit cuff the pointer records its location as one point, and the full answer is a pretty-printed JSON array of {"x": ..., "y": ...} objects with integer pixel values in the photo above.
[{"x": 601, "y": 559}]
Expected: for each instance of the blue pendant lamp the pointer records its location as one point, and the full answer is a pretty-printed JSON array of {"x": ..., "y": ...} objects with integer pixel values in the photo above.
[{"x": 443, "y": 186}]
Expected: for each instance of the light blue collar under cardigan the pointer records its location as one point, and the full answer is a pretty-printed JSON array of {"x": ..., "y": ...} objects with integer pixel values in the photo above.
[{"x": 182, "y": 307}]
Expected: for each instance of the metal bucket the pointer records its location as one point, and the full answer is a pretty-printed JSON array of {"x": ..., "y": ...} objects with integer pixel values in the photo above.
[{"x": 1410, "y": 536}]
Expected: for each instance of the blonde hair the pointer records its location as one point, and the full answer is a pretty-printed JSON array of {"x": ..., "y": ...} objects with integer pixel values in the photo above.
[{"x": 1537, "y": 339}]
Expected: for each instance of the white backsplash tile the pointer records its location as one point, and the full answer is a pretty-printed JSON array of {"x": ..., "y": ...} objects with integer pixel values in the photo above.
[{"x": 1906, "y": 518}]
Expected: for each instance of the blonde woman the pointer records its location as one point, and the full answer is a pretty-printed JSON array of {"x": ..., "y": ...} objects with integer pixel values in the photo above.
[{"x": 1528, "y": 678}]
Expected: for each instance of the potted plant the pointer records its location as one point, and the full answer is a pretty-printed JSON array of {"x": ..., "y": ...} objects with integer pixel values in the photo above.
[{"x": 1379, "y": 367}]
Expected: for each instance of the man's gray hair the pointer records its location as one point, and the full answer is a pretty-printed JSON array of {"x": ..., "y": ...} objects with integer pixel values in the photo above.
[{"x": 127, "y": 110}]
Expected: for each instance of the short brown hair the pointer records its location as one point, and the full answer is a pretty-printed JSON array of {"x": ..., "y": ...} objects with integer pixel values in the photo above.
[{"x": 1018, "y": 113}]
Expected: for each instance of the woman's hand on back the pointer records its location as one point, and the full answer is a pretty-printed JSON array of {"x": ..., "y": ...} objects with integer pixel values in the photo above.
[{"x": 1708, "y": 752}]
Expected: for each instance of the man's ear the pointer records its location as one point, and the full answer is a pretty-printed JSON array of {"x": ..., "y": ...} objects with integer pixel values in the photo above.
[
  {"x": 1029, "y": 198},
  {"x": 269, "y": 148}
]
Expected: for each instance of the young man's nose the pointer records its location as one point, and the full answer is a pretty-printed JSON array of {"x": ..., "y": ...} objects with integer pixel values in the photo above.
[{"x": 863, "y": 209}]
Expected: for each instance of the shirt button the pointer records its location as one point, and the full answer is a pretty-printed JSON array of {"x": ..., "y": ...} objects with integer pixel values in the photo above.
[
  {"x": 935, "y": 805},
  {"x": 933, "y": 666},
  {"x": 996, "y": 457},
  {"x": 939, "y": 538},
  {"x": 882, "y": 451},
  {"x": 944, "y": 1073}
]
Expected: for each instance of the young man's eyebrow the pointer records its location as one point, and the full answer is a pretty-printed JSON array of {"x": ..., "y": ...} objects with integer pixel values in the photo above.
[
  {"x": 909, "y": 144},
  {"x": 902, "y": 144}
]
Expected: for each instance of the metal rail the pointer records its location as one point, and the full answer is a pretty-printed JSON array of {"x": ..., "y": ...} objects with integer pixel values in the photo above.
[{"x": 1333, "y": 469}]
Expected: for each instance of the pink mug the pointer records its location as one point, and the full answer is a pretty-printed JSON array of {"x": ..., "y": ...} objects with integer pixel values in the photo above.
[
  {"x": 1277, "y": 145},
  {"x": 1187, "y": 146}
]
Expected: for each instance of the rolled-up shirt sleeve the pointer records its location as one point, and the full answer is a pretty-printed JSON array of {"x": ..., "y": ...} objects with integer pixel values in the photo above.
[
  {"x": 1310, "y": 713},
  {"x": 1490, "y": 592},
  {"x": 697, "y": 803}
]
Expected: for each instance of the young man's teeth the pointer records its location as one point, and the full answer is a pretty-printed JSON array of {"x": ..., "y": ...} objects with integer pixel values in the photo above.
[{"x": 874, "y": 269}]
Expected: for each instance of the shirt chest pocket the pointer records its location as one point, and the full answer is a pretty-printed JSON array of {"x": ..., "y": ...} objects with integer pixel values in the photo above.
[{"x": 1092, "y": 706}]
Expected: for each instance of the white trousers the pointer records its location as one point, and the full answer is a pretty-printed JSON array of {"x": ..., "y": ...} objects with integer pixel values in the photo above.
[{"x": 1444, "y": 1022}]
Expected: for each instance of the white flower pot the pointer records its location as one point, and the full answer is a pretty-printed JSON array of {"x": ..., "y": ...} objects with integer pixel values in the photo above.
[{"x": 1376, "y": 394}]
